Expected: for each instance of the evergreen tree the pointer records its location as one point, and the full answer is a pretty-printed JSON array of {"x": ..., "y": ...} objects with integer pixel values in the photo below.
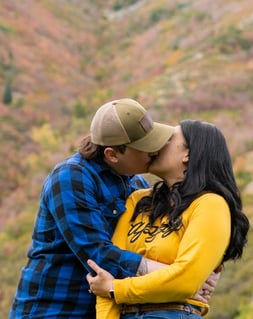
[{"x": 7, "y": 96}]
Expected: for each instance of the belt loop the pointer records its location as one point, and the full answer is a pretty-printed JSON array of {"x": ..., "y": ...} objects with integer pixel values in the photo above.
[{"x": 188, "y": 308}]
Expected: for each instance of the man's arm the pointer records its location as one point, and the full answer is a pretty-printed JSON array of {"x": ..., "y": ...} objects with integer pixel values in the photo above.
[{"x": 72, "y": 198}]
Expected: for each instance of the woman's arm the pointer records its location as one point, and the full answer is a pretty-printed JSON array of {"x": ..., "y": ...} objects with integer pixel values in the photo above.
[{"x": 102, "y": 284}]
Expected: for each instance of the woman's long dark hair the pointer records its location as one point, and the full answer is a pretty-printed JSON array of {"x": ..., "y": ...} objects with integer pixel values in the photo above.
[{"x": 209, "y": 170}]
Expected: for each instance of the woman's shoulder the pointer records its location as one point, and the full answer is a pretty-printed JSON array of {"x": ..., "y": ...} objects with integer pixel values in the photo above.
[
  {"x": 209, "y": 196},
  {"x": 210, "y": 199}
]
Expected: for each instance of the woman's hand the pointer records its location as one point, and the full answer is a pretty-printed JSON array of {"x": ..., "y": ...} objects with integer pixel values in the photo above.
[{"x": 102, "y": 283}]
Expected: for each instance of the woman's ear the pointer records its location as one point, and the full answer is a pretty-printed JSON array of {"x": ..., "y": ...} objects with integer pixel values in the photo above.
[
  {"x": 186, "y": 157},
  {"x": 110, "y": 155}
]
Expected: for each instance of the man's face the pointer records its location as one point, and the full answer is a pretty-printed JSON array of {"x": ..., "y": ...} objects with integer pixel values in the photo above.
[{"x": 134, "y": 161}]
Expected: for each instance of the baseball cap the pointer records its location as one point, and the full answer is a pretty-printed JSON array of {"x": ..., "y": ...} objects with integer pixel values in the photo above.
[{"x": 125, "y": 121}]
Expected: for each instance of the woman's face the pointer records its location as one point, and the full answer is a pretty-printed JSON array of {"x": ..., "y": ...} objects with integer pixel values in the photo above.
[{"x": 172, "y": 159}]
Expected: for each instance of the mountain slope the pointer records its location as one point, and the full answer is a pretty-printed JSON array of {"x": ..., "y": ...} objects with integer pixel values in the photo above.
[{"x": 61, "y": 59}]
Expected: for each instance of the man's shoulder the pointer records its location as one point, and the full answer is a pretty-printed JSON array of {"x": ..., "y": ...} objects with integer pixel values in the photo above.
[
  {"x": 74, "y": 161},
  {"x": 73, "y": 167},
  {"x": 138, "y": 181}
]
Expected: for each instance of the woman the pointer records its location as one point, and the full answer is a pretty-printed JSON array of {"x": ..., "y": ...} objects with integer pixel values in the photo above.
[{"x": 192, "y": 220}]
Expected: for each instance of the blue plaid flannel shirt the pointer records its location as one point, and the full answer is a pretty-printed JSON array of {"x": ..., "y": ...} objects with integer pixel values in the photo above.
[{"x": 80, "y": 204}]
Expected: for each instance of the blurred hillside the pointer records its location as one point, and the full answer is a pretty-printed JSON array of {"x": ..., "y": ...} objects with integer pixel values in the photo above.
[{"x": 61, "y": 59}]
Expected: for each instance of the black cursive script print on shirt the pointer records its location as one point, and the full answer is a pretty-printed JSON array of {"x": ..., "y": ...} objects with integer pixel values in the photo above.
[{"x": 151, "y": 231}]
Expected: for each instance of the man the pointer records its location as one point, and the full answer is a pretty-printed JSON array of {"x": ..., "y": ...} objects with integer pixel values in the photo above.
[{"x": 81, "y": 201}]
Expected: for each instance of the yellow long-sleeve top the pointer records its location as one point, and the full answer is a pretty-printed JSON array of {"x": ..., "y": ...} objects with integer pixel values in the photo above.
[{"x": 192, "y": 253}]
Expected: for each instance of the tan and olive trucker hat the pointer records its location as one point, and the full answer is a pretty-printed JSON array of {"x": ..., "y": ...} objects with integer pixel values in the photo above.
[{"x": 127, "y": 122}]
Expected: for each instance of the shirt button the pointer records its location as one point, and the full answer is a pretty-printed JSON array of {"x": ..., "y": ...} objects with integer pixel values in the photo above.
[{"x": 114, "y": 212}]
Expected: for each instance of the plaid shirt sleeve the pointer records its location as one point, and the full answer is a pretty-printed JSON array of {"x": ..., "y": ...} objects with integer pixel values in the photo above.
[{"x": 80, "y": 206}]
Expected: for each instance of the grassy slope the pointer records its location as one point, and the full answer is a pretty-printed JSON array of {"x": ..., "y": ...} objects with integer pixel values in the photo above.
[{"x": 182, "y": 59}]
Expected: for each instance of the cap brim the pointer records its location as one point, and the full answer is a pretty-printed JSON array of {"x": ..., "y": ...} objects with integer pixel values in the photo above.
[{"x": 155, "y": 139}]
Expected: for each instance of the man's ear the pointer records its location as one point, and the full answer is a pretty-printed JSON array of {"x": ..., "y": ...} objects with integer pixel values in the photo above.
[{"x": 111, "y": 155}]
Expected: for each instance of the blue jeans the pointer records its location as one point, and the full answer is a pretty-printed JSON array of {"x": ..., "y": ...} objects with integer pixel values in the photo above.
[{"x": 162, "y": 314}]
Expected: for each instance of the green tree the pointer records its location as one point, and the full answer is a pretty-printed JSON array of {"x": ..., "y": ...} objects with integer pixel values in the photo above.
[{"x": 7, "y": 95}]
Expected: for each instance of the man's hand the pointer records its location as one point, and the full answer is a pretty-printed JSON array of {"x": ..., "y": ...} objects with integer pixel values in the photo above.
[
  {"x": 102, "y": 283},
  {"x": 204, "y": 294}
]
